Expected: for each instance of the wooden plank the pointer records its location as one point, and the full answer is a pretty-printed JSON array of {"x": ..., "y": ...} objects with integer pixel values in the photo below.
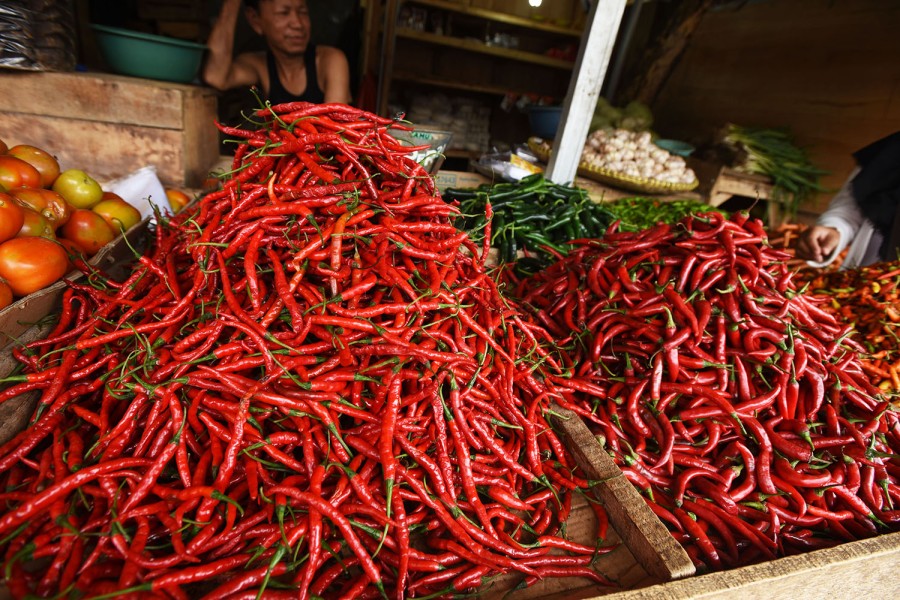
[
  {"x": 863, "y": 569},
  {"x": 99, "y": 97},
  {"x": 388, "y": 49},
  {"x": 619, "y": 566},
  {"x": 642, "y": 532},
  {"x": 104, "y": 150},
  {"x": 584, "y": 88},
  {"x": 604, "y": 193},
  {"x": 731, "y": 183}
]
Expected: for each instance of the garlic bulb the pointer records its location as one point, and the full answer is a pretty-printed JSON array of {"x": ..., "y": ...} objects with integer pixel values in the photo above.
[{"x": 633, "y": 154}]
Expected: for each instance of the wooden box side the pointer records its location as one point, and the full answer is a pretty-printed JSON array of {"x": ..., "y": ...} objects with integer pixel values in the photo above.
[
  {"x": 104, "y": 150},
  {"x": 100, "y": 97},
  {"x": 861, "y": 569},
  {"x": 109, "y": 125}
]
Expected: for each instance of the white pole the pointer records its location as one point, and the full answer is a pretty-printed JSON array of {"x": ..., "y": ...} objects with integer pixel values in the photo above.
[{"x": 584, "y": 88}]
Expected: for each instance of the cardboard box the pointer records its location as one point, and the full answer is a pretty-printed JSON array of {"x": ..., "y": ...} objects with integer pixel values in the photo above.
[{"x": 110, "y": 125}]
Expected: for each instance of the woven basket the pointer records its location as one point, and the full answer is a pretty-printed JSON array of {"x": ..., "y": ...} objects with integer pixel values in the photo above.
[{"x": 615, "y": 179}]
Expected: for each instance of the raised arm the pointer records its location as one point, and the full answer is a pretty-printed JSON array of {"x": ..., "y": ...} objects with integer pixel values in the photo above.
[
  {"x": 223, "y": 71},
  {"x": 335, "y": 74}
]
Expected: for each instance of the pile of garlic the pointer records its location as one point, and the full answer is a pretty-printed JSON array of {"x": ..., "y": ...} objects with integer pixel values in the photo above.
[{"x": 633, "y": 154}]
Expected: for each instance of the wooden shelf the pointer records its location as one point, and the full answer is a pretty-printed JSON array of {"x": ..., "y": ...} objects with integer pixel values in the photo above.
[
  {"x": 455, "y": 85},
  {"x": 499, "y": 17},
  {"x": 482, "y": 48}
]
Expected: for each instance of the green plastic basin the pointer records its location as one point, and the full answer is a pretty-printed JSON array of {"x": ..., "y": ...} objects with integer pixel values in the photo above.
[{"x": 150, "y": 56}]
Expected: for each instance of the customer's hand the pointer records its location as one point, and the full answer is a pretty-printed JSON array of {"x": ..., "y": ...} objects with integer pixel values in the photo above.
[{"x": 817, "y": 243}]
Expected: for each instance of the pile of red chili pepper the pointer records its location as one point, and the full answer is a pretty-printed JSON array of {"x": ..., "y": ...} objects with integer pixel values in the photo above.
[
  {"x": 307, "y": 387},
  {"x": 869, "y": 299},
  {"x": 737, "y": 405}
]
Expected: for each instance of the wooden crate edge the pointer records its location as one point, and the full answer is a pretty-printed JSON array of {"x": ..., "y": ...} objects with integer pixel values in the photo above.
[{"x": 642, "y": 532}]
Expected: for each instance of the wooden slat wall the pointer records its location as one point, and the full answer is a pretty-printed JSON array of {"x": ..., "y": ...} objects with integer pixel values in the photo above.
[{"x": 827, "y": 69}]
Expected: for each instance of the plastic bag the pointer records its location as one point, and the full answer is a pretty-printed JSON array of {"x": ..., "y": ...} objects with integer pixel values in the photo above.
[
  {"x": 143, "y": 190},
  {"x": 37, "y": 35}
]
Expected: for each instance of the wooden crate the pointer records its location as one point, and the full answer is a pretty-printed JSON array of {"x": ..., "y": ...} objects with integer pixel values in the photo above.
[{"x": 110, "y": 125}]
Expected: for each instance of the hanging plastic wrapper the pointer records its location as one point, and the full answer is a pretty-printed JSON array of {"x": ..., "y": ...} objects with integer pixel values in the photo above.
[{"x": 37, "y": 35}]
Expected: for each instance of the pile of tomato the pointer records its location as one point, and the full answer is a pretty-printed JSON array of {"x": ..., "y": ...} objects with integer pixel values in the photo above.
[{"x": 48, "y": 216}]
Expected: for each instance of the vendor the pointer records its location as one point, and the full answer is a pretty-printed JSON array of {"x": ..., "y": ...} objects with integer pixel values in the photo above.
[
  {"x": 863, "y": 214},
  {"x": 291, "y": 69}
]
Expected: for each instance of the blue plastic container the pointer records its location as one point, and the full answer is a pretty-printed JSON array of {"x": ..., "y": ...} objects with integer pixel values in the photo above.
[{"x": 544, "y": 120}]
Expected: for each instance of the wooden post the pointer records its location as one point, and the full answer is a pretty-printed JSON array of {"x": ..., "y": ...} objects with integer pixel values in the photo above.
[
  {"x": 388, "y": 43},
  {"x": 584, "y": 88}
]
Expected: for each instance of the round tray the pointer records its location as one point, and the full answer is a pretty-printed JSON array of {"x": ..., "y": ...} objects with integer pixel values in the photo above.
[{"x": 635, "y": 184}]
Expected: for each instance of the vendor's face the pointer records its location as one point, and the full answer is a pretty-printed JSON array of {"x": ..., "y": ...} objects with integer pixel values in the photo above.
[{"x": 284, "y": 24}]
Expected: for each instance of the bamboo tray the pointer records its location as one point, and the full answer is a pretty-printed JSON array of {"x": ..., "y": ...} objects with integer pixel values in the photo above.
[{"x": 615, "y": 179}]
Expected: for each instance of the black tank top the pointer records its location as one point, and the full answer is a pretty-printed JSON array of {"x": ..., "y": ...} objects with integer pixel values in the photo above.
[{"x": 312, "y": 93}]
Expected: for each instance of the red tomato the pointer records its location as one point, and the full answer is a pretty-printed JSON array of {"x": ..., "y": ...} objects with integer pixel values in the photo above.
[
  {"x": 35, "y": 225},
  {"x": 6, "y": 297},
  {"x": 47, "y": 202},
  {"x": 87, "y": 230},
  {"x": 11, "y": 217},
  {"x": 45, "y": 163},
  {"x": 29, "y": 264},
  {"x": 118, "y": 214},
  {"x": 3, "y": 147},
  {"x": 15, "y": 172}
]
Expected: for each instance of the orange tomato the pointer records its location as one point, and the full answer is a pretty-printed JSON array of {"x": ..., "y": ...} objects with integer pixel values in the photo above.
[
  {"x": 45, "y": 163},
  {"x": 35, "y": 225},
  {"x": 11, "y": 217},
  {"x": 87, "y": 230},
  {"x": 15, "y": 172},
  {"x": 29, "y": 264},
  {"x": 118, "y": 214},
  {"x": 47, "y": 202}
]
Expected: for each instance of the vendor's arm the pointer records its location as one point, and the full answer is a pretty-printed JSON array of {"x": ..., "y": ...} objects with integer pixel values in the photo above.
[
  {"x": 334, "y": 74},
  {"x": 834, "y": 230},
  {"x": 222, "y": 70}
]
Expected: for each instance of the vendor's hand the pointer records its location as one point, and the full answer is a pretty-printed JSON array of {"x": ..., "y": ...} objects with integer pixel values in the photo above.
[{"x": 817, "y": 243}]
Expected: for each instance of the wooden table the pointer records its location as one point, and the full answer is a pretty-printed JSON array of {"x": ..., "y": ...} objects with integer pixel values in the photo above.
[{"x": 601, "y": 192}]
